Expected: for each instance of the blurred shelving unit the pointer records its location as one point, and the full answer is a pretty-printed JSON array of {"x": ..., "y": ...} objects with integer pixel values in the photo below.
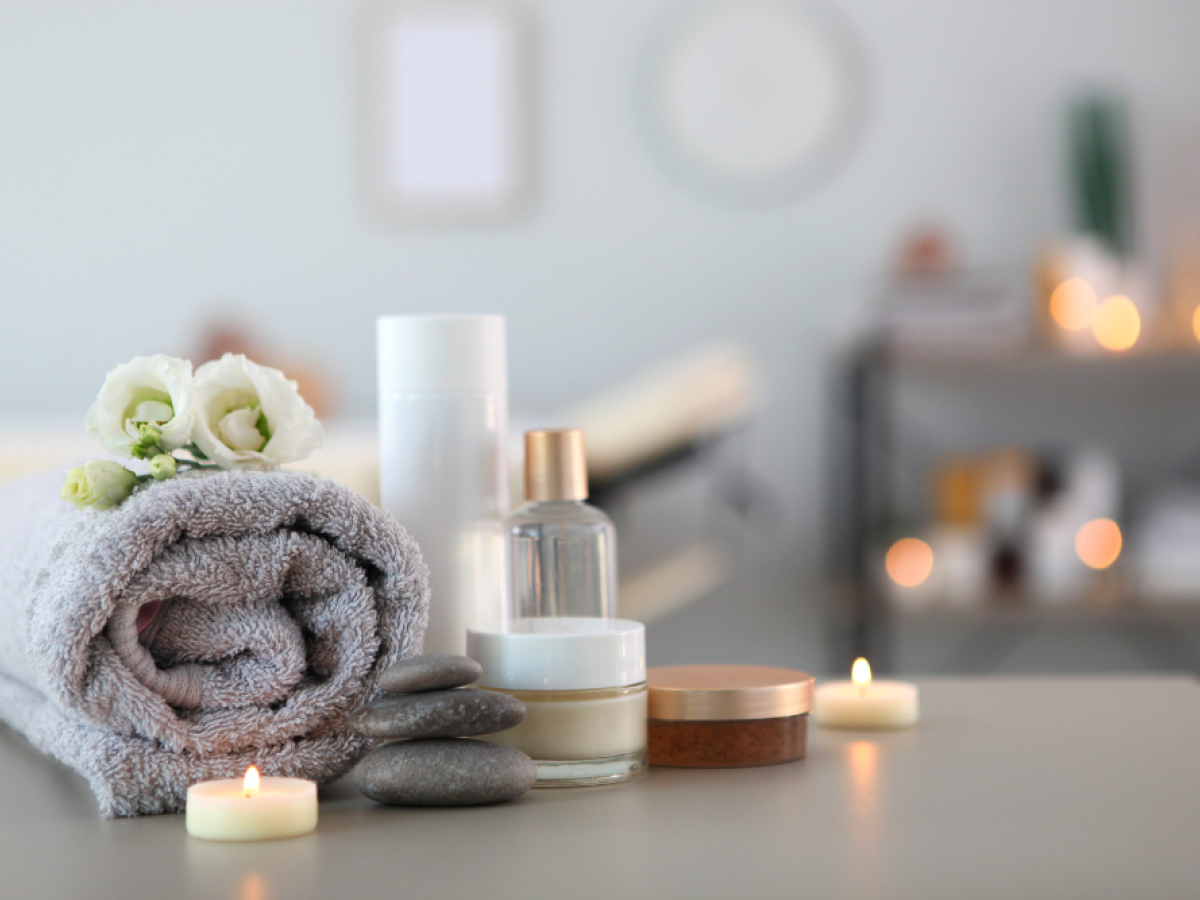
[{"x": 894, "y": 408}]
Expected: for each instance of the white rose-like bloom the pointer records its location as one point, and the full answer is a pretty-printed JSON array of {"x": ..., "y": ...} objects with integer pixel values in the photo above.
[
  {"x": 156, "y": 390},
  {"x": 250, "y": 416}
]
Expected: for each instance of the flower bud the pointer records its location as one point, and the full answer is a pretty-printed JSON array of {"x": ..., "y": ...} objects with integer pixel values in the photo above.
[
  {"x": 148, "y": 443},
  {"x": 99, "y": 484},
  {"x": 162, "y": 467}
]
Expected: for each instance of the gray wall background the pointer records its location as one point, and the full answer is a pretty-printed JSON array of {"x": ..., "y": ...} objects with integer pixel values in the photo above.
[{"x": 161, "y": 156}]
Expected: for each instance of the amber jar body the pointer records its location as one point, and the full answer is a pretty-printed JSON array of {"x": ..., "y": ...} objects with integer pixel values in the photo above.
[
  {"x": 727, "y": 744},
  {"x": 722, "y": 716}
]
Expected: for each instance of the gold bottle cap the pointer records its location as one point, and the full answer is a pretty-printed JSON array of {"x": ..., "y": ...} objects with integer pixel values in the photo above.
[
  {"x": 722, "y": 693},
  {"x": 555, "y": 468}
]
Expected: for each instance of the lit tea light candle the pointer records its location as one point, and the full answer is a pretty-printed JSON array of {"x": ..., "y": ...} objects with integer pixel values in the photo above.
[
  {"x": 863, "y": 703},
  {"x": 253, "y": 808}
]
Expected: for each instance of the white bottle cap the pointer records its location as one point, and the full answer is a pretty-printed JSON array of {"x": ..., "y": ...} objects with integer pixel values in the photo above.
[
  {"x": 561, "y": 654},
  {"x": 441, "y": 354}
]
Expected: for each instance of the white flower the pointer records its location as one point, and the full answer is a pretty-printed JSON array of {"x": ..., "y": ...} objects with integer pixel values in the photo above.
[
  {"x": 250, "y": 416},
  {"x": 100, "y": 484},
  {"x": 155, "y": 390}
]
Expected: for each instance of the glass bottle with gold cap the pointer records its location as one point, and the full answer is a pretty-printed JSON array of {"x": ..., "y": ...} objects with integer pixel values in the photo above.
[{"x": 564, "y": 551}]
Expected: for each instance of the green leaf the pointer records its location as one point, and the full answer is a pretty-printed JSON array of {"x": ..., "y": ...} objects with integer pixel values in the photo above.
[{"x": 263, "y": 428}]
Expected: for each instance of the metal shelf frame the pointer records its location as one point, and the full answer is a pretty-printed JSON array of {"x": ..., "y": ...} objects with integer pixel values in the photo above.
[{"x": 862, "y": 446}]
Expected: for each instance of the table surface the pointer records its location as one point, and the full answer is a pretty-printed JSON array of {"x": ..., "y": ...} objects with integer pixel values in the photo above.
[{"x": 1009, "y": 788}]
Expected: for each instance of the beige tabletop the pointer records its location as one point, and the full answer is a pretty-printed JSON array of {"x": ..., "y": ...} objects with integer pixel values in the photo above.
[{"x": 1014, "y": 788}]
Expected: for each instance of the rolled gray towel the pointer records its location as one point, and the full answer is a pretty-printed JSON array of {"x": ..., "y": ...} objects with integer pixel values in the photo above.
[{"x": 278, "y": 599}]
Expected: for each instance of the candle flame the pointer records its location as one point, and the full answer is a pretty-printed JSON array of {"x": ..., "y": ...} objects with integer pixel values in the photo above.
[
  {"x": 860, "y": 672},
  {"x": 250, "y": 785}
]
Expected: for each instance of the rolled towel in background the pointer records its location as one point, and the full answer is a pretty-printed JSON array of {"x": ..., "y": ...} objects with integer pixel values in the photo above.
[{"x": 268, "y": 605}]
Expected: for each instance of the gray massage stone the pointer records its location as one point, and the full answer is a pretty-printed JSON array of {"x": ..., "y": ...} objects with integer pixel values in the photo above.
[
  {"x": 437, "y": 714},
  {"x": 435, "y": 672},
  {"x": 444, "y": 772}
]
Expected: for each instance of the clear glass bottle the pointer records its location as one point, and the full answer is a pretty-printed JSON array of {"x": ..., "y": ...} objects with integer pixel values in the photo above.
[{"x": 564, "y": 551}]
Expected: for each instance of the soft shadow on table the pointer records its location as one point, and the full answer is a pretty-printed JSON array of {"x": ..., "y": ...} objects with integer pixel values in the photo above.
[
  {"x": 46, "y": 782},
  {"x": 344, "y": 810},
  {"x": 355, "y": 813}
]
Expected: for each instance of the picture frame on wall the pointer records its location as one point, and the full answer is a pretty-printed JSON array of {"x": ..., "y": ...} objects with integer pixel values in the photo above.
[{"x": 447, "y": 108}]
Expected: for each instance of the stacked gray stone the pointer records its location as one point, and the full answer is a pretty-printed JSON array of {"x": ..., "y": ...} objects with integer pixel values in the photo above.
[{"x": 428, "y": 717}]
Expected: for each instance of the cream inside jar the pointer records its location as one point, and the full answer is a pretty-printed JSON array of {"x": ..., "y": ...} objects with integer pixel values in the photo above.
[{"x": 583, "y": 683}]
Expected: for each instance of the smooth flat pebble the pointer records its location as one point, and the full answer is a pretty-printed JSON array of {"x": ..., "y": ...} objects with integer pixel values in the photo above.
[
  {"x": 436, "y": 714},
  {"x": 435, "y": 672},
  {"x": 444, "y": 772}
]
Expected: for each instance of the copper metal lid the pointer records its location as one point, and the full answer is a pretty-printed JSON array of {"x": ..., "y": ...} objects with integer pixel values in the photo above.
[
  {"x": 721, "y": 693},
  {"x": 554, "y": 466}
]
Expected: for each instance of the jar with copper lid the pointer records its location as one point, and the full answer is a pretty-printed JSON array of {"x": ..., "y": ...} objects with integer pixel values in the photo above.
[{"x": 723, "y": 716}]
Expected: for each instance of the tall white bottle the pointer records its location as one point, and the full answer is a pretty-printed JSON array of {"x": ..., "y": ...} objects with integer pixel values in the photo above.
[{"x": 443, "y": 420}]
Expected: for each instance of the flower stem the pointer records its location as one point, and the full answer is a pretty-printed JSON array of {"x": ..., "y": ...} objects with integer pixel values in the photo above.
[{"x": 193, "y": 464}]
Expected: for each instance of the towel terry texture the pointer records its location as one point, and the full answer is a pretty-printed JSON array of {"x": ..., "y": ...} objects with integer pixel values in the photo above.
[{"x": 279, "y": 598}]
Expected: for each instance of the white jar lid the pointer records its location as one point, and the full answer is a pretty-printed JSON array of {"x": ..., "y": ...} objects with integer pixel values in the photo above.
[
  {"x": 561, "y": 654},
  {"x": 441, "y": 354}
]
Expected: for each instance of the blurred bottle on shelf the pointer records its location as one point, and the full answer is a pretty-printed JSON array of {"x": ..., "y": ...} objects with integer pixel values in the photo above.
[
  {"x": 1165, "y": 556},
  {"x": 1063, "y": 567},
  {"x": 1010, "y": 527},
  {"x": 1181, "y": 322},
  {"x": 958, "y": 540}
]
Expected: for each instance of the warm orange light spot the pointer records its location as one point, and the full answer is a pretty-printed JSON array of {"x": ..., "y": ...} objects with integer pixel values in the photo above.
[
  {"x": 1073, "y": 304},
  {"x": 1098, "y": 543},
  {"x": 1196, "y": 323},
  {"x": 253, "y": 887},
  {"x": 909, "y": 562},
  {"x": 862, "y": 758},
  {"x": 1117, "y": 323},
  {"x": 250, "y": 785}
]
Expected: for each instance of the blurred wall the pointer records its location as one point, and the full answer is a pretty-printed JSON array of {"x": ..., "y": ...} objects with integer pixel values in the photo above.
[{"x": 161, "y": 156}]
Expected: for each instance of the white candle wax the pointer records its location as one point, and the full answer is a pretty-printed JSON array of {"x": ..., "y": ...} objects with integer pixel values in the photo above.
[
  {"x": 864, "y": 703},
  {"x": 278, "y": 808}
]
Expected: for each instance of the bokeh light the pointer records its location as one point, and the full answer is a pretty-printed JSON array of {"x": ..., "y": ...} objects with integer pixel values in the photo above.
[
  {"x": 1117, "y": 323},
  {"x": 253, "y": 887},
  {"x": 1073, "y": 304},
  {"x": 1196, "y": 323},
  {"x": 1098, "y": 543},
  {"x": 909, "y": 562}
]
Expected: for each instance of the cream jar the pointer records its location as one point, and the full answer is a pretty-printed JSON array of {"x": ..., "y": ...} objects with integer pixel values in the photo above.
[
  {"x": 712, "y": 717},
  {"x": 583, "y": 683}
]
